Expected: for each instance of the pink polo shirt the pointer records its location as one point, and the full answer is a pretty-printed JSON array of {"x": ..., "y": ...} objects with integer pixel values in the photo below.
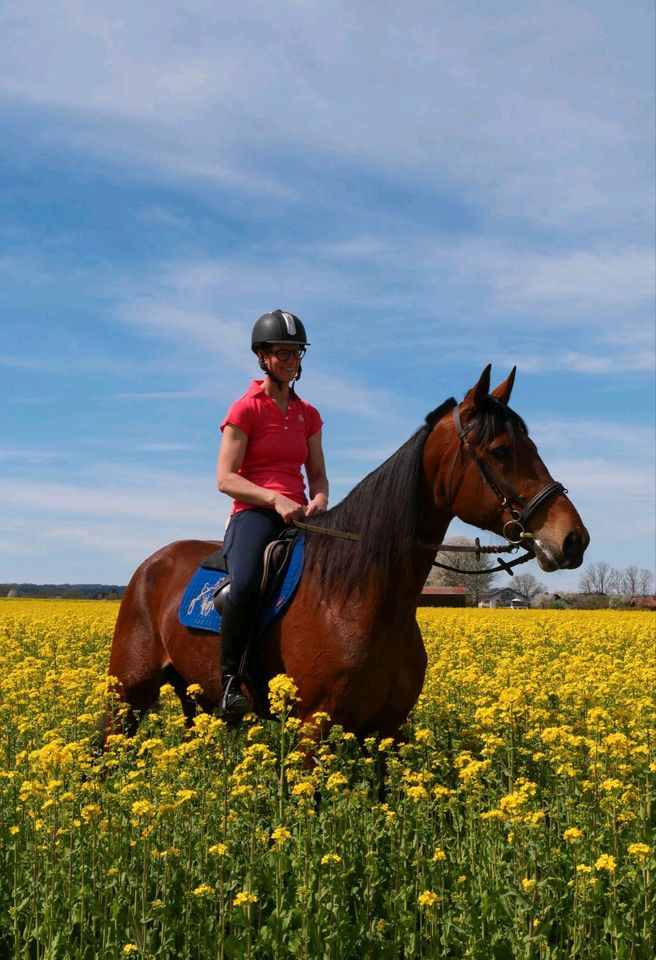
[{"x": 277, "y": 444}]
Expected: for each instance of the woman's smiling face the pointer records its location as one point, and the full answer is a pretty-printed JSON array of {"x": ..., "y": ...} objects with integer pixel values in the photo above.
[{"x": 283, "y": 359}]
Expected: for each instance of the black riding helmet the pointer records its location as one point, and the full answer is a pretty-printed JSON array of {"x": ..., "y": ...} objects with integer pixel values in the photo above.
[{"x": 278, "y": 327}]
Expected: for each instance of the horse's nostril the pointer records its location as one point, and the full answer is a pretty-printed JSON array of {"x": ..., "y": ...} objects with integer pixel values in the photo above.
[{"x": 573, "y": 545}]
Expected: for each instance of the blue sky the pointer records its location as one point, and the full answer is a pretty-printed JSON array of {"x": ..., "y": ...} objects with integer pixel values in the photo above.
[{"x": 430, "y": 188}]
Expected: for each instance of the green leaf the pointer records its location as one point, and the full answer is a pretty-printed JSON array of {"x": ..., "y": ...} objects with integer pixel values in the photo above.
[{"x": 234, "y": 948}]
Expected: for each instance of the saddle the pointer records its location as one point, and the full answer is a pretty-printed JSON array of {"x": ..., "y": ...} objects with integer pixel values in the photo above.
[
  {"x": 275, "y": 559},
  {"x": 283, "y": 566}
]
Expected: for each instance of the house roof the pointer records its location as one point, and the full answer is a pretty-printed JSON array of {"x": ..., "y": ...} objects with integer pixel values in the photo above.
[
  {"x": 495, "y": 593},
  {"x": 443, "y": 591}
]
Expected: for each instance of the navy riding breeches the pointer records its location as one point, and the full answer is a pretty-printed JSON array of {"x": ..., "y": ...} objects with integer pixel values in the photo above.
[{"x": 248, "y": 533}]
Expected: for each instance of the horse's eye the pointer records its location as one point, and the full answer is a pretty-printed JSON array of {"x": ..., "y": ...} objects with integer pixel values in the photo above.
[{"x": 502, "y": 454}]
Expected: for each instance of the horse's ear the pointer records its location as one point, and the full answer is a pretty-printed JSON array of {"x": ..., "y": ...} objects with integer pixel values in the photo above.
[
  {"x": 476, "y": 397},
  {"x": 503, "y": 391}
]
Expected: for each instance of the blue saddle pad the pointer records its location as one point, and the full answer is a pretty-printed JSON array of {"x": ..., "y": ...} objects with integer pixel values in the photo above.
[{"x": 197, "y": 606}]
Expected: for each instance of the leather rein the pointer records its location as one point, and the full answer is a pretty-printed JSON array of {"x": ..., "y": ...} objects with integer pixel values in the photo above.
[{"x": 519, "y": 509}]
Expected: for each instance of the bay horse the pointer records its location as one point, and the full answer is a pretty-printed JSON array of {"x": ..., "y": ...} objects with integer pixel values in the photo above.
[{"x": 349, "y": 637}]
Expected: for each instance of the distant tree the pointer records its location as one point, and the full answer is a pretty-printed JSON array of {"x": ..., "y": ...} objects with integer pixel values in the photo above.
[
  {"x": 599, "y": 577},
  {"x": 528, "y": 586},
  {"x": 645, "y": 581},
  {"x": 629, "y": 581},
  {"x": 476, "y": 584}
]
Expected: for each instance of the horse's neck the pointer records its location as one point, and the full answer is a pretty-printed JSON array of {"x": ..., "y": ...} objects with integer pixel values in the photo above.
[
  {"x": 433, "y": 518},
  {"x": 398, "y": 598}
]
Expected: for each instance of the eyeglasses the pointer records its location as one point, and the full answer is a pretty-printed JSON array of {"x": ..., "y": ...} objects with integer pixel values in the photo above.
[{"x": 289, "y": 354}]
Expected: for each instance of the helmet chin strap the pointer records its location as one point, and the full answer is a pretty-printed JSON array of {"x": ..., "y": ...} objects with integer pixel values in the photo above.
[{"x": 270, "y": 374}]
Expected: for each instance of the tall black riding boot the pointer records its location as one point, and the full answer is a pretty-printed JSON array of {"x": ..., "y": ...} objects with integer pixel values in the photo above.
[{"x": 236, "y": 626}]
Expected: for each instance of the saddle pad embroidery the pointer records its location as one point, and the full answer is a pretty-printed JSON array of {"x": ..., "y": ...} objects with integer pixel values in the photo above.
[{"x": 197, "y": 607}]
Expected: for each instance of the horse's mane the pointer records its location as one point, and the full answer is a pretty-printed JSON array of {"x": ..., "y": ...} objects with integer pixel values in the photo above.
[{"x": 382, "y": 508}]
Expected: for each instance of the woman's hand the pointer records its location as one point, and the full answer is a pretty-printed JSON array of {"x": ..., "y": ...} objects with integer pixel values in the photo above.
[
  {"x": 288, "y": 509},
  {"x": 318, "y": 504}
]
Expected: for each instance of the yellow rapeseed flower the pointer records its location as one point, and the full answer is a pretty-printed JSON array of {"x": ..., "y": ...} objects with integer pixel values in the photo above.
[
  {"x": 417, "y": 793},
  {"x": 336, "y": 782},
  {"x": 639, "y": 851},
  {"x": 572, "y": 835},
  {"x": 143, "y": 808},
  {"x": 428, "y": 899},
  {"x": 280, "y": 836},
  {"x": 330, "y": 858},
  {"x": 283, "y": 693},
  {"x": 204, "y": 890},
  {"x": 245, "y": 899}
]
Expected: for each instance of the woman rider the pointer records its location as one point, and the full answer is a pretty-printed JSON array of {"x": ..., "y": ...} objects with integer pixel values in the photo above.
[{"x": 268, "y": 435}]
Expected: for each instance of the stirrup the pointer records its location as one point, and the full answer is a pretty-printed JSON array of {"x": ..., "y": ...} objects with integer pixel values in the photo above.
[{"x": 234, "y": 703}]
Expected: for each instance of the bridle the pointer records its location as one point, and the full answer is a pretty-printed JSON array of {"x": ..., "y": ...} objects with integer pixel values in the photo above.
[{"x": 520, "y": 510}]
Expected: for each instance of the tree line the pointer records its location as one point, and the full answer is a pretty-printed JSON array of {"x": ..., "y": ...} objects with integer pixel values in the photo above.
[
  {"x": 65, "y": 591},
  {"x": 600, "y": 577}
]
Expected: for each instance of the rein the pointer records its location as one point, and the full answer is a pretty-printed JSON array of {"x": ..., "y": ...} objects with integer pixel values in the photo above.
[
  {"x": 326, "y": 531},
  {"x": 446, "y": 547}
]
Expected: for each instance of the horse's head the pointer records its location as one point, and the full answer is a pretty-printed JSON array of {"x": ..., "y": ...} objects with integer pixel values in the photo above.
[{"x": 484, "y": 468}]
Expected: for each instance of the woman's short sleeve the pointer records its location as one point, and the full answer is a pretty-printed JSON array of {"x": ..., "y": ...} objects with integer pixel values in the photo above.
[
  {"x": 314, "y": 421},
  {"x": 240, "y": 415}
]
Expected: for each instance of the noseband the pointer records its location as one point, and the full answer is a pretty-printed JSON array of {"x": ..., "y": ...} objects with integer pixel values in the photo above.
[{"x": 519, "y": 509}]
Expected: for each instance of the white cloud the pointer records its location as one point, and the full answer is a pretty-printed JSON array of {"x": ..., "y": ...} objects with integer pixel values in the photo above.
[
  {"x": 621, "y": 278},
  {"x": 101, "y": 529},
  {"x": 625, "y": 441},
  {"x": 629, "y": 488},
  {"x": 31, "y": 455},
  {"x": 188, "y": 303},
  {"x": 186, "y": 500},
  {"x": 576, "y": 282},
  {"x": 196, "y": 394},
  {"x": 165, "y": 447},
  {"x": 515, "y": 105},
  {"x": 28, "y": 363}
]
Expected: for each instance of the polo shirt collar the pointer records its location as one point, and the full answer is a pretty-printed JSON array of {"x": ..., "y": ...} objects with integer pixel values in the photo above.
[{"x": 255, "y": 389}]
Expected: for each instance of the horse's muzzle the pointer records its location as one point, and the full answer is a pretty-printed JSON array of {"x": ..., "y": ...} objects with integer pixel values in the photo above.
[
  {"x": 560, "y": 556},
  {"x": 574, "y": 546}
]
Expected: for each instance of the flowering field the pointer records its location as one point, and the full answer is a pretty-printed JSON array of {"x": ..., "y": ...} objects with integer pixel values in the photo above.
[{"x": 517, "y": 818}]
